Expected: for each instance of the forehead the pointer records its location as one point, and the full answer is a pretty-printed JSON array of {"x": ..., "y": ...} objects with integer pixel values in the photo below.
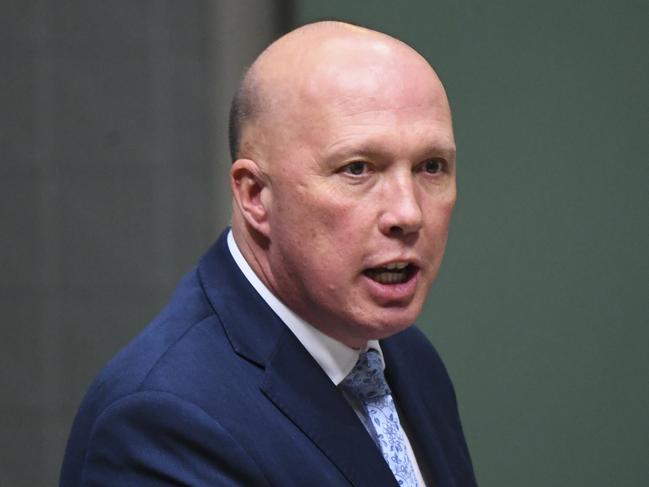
[
  {"x": 362, "y": 89},
  {"x": 401, "y": 132},
  {"x": 364, "y": 71},
  {"x": 377, "y": 110}
]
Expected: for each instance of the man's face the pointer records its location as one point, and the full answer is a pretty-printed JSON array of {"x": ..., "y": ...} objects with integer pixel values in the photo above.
[{"x": 362, "y": 187}]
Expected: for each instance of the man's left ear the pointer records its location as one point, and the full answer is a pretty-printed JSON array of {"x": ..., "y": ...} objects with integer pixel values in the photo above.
[{"x": 251, "y": 194}]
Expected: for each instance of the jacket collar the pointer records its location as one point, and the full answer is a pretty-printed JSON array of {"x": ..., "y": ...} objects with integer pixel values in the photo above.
[{"x": 250, "y": 324}]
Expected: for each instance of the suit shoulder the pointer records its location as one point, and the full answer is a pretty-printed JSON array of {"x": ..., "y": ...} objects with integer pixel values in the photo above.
[{"x": 187, "y": 310}]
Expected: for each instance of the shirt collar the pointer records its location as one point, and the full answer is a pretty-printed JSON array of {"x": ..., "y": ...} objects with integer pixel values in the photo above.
[{"x": 335, "y": 358}]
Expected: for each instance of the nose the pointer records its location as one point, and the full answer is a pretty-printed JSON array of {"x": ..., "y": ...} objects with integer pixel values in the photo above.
[{"x": 401, "y": 214}]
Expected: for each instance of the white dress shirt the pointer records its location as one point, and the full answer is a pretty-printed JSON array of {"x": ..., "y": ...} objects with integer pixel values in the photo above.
[{"x": 335, "y": 358}]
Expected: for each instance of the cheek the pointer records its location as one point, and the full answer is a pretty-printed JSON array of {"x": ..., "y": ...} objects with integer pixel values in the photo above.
[
  {"x": 437, "y": 224},
  {"x": 443, "y": 219},
  {"x": 442, "y": 208},
  {"x": 316, "y": 213},
  {"x": 311, "y": 226}
]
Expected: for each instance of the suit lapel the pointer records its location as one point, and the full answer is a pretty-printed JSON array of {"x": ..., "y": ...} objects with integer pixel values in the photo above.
[
  {"x": 293, "y": 381},
  {"x": 250, "y": 325},
  {"x": 411, "y": 386},
  {"x": 302, "y": 391}
]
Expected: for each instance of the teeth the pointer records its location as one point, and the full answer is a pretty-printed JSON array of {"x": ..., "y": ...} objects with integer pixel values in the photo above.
[
  {"x": 390, "y": 277},
  {"x": 393, "y": 273}
]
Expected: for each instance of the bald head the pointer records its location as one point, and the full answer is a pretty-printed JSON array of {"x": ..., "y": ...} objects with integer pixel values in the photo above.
[
  {"x": 344, "y": 164},
  {"x": 311, "y": 62}
]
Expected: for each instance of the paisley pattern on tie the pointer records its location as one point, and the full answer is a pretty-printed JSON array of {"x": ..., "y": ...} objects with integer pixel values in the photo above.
[{"x": 367, "y": 382}]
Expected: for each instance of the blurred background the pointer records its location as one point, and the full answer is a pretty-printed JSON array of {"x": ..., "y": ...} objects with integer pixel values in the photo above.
[{"x": 113, "y": 165}]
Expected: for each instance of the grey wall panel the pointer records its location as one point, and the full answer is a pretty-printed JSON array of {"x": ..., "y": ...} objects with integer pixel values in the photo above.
[{"x": 112, "y": 184}]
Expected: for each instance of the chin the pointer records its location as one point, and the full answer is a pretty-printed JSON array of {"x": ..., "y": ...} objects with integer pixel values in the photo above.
[
  {"x": 401, "y": 316},
  {"x": 388, "y": 323},
  {"x": 370, "y": 322}
]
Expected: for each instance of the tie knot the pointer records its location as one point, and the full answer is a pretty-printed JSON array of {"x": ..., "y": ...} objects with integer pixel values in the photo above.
[{"x": 366, "y": 380}]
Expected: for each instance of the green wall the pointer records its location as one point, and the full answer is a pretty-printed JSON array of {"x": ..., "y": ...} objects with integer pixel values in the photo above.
[{"x": 541, "y": 310}]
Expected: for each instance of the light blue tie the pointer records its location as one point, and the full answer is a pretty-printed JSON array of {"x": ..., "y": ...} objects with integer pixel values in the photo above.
[{"x": 367, "y": 382}]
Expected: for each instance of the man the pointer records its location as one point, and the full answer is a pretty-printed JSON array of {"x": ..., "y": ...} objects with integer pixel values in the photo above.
[{"x": 344, "y": 183}]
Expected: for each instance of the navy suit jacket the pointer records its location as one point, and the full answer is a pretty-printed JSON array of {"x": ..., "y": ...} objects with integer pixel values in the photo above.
[{"x": 218, "y": 391}]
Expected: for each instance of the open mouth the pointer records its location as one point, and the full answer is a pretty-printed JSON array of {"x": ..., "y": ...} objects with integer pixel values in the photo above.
[{"x": 395, "y": 273}]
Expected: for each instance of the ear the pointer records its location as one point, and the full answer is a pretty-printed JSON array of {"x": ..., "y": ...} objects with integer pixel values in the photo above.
[{"x": 251, "y": 194}]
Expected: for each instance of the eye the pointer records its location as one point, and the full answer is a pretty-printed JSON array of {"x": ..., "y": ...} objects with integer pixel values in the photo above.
[
  {"x": 356, "y": 168},
  {"x": 433, "y": 166}
]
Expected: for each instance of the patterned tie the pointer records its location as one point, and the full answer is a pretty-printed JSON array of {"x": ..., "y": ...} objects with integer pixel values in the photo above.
[{"x": 367, "y": 382}]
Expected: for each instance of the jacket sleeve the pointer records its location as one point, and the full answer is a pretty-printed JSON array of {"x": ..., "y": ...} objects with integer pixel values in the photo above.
[{"x": 155, "y": 438}]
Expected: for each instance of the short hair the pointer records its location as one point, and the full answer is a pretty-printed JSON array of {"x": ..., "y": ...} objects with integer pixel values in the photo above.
[{"x": 245, "y": 104}]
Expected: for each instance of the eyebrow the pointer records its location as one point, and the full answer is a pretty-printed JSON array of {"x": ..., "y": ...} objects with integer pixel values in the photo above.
[{"x": 372, "y": 149}]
